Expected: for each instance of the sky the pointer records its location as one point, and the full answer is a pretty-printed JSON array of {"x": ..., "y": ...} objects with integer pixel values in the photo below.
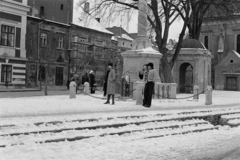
[{"x": 174, "y": 31}]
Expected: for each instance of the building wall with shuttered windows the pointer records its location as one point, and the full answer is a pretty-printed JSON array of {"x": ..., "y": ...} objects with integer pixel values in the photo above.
[{"x": 13, "y": 17}]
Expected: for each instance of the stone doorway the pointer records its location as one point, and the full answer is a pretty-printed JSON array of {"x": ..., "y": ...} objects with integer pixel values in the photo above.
[
  {"x": 231, "y": 83},
  {"x": 59, "y": 76},
  {"x": 186, "y": 78}
]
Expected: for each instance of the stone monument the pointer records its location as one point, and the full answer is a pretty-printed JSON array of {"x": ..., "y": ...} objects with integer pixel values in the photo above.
[{"x": 142, "y": 51}]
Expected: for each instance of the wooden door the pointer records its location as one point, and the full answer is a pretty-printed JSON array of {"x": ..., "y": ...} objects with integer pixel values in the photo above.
[
  {"x": 231, "y": 83},
  {"x": 59, "y": 76}
]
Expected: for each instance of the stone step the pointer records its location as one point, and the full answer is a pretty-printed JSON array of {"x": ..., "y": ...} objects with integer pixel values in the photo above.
[
  {"x": 232, "y": 119},
  {"x": 73, "y": 135}
]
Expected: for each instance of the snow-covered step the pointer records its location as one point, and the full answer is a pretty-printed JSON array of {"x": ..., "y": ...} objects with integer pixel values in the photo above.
[
  {"x": 230, "y": 119},
  {"x": 78, "y": 135},
  {"x": 106, "y": 123},
  {"x": 234, "y": 122}
]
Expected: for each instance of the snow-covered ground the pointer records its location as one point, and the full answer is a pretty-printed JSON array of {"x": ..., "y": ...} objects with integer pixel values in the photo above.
[
  {"x": 219, "y": 143},
  {"x": 194, "y": 146},
  {"x": 83, "y": 104}
]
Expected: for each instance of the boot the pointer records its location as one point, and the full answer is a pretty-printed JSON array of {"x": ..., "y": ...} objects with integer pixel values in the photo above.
[
  {"x": 108, "y": 98},
  {"x": 113, "y": 102}
]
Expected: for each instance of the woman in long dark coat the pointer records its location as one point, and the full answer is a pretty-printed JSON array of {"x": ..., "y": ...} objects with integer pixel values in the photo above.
[
  {"x": 92, "y": 82},
  {"x": 110, "y": 83}
]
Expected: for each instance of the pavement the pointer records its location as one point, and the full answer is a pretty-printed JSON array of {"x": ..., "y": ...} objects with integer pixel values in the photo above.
[
  {"x": 30, "y": 92},
  {"x": 50, "y": 88}
]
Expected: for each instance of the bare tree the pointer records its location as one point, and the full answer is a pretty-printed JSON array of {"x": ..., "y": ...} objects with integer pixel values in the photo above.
[
  {"x": 202, "y": 9},
  {"x": 47, "y": 59},
  {"x": 162, "y": 13}
]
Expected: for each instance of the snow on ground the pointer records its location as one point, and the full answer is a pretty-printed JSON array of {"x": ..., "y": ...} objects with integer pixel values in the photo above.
[
  {"x": 83, "y": 104},
  {"x": 212, "y": 144},
  {"x": 194, "y": 146}
]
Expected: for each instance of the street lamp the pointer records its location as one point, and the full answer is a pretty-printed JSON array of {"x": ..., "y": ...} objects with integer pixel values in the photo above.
[{"x": 69, "y": 62}]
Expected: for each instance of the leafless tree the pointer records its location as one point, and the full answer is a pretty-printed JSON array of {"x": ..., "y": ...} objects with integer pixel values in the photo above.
[
  {"x": 161, "y": 15},
  {"x": 209, "y": 9},
  {"x": 47, "y": 58}
]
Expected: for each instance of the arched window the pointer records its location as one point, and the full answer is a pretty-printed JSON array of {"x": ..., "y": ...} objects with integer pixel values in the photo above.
[
  {"x": 206, "y": 41},
  {"x": 238, "y": 43}
]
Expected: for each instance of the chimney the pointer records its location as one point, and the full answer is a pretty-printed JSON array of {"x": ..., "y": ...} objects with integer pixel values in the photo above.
[
  {"x": 87, "y": 7},
  {"x": 41, "y": 14}
]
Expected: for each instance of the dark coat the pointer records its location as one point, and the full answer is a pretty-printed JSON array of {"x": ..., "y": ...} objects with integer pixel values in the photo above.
[
  {"x": 105, "y": 84},
  {"x": 85, "y": 78},
  {"x": 111, "y": 83},
  {"x": 92, "y": 80}
]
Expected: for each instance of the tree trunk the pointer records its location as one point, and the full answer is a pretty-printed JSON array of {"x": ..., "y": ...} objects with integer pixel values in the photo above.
[
  {"x": 40, "y": 78},
  {"x": 167, "y": 71},
  {"x": 46, "y": 82}
]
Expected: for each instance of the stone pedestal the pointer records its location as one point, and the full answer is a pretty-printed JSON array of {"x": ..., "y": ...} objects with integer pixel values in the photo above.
[
  {"x": 173, "y": 91},
  {"x": 195, "y": 92},
  {"x": 86, "y": 88},
  {"x": 72, "y": 90},
  {"x": 208, "y": 95},
  {"x": 133, "y": 61},
  {"x": 139, "y": 93}
]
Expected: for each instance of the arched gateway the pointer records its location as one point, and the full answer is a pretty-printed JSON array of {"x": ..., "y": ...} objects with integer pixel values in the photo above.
[
  {"x": 193, "y": 66},
  {"x": 186, "y": 78}
]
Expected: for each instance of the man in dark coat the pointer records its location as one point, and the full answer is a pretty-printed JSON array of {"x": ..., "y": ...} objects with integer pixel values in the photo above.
[
  {"x": 85, "y": 78},
  {"x": 92, "y": 82},
  {"x": 109, "y": 84}
]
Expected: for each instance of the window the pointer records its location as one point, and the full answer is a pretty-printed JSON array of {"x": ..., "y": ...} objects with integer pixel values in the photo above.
[
  {"x": 99, "y": 49},
  {"x": 60, "y": 42},
  {"x": 44, "y": 39},
  {"x": 61, "y": 6},
  {"x": 238, "y": 43},
  {"x": 99, "y": 42},
  {"x": 7, "y": 36},
  {"x": 206, "y": 41},
  {"x": 6, "y": 75},
  {"x": 81, "y": 46},
  {"x": 82, "y": 39}
]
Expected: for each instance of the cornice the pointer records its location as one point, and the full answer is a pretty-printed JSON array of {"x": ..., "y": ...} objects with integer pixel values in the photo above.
[{"x": 16, "y": 6}]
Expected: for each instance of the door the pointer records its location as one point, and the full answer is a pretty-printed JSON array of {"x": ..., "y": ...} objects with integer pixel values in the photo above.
[
  {"x": 59, "y": 76},
  {"x": 231, "y": 83}
]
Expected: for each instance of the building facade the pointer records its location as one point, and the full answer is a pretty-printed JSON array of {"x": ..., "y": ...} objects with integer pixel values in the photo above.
[
  {"x": 55, "y": 10},
  {"x": 48, "y": 26},
  {"x": 47, "y": 51},
  {"x": 221, "y": 37},
  {"x": 123, "y": 37},
  {"x": 13, "y": 20},
  {"x": 93, "y": 50}
]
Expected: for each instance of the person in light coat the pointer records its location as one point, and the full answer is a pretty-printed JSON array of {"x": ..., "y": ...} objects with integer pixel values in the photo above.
[{"x": 110, "y": 81}]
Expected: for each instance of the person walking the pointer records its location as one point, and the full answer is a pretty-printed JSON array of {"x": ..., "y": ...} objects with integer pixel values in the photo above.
[
  {"x": 110, "y": 82},
  {"x": 149, "y": 87},
  {"x": 92, "y": 82}
]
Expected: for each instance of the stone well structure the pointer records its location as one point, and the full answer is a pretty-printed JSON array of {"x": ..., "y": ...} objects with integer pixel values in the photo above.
[
  {"x": 193, "y": 66},
  {"x": 142, "y": 51}
]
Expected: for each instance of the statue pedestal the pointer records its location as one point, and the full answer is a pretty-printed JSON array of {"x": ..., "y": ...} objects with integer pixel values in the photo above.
[{"x": 134, "y": 59}]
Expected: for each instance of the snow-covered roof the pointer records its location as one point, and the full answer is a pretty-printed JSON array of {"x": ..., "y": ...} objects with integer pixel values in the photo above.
[{"x": 80, "y": 18}]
